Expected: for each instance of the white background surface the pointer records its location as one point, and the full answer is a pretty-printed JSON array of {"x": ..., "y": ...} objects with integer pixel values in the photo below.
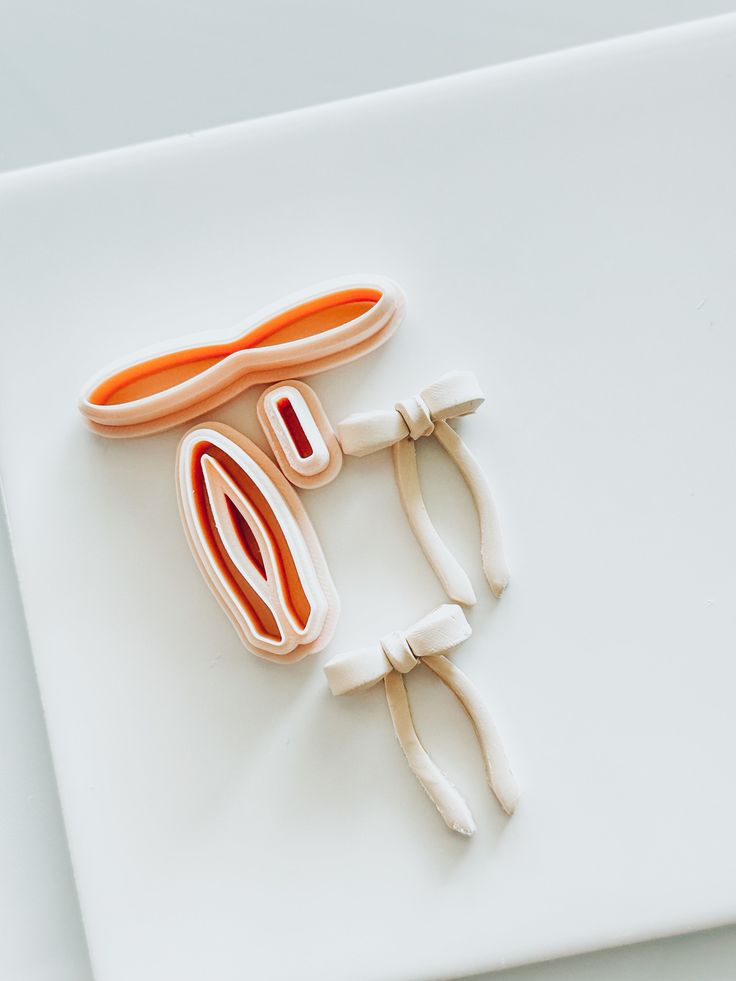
[
  {"x": 67, "y": 115},
  {"x": 589, "y": 114},
  {"x": 41, "y": 937},
  {"x": 85, "y": 75}
]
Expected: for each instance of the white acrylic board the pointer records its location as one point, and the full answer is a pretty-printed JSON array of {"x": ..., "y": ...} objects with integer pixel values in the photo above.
[{"x": 565, "y": 227}]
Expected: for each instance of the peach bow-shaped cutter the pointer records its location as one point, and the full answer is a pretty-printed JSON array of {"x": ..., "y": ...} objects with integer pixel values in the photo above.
[
  {"x": 455, "y": 394},
  {"x": 320, "y": 328},
  {"x": 254, "y": 544},
  {"x": 395, "y": 655}
]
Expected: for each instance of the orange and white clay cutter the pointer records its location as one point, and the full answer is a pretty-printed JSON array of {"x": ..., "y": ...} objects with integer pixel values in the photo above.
[
  {"x": 299, "y": 434},
  {"x": 254, "y": 544},
  {"x": 308, "y": 332},
  {"x": 246, "y": 526}
]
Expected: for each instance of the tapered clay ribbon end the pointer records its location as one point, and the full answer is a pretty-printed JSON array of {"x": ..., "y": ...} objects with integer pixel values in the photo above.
[
  {"x": 455, "y": 580},
  {"x": 456, "y": 813},
  {"x": 507, "y": 793},
  {"x": 497, "y": 576},
  {"x": 462, "y": 593},
  {"x": 467, "y": 830}
]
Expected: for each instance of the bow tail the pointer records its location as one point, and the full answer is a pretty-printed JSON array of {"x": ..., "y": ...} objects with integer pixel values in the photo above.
[
  {"x": 455, "y": 812},
  {"x": 448, "y": 570},
  {"x": 501, "y": 779},
  {"x": 491, "y": 542}
]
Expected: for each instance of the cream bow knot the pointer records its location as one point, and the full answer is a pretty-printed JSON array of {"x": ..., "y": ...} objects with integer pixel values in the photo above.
[
  {"x": 437, "y": 633},
  {"x": 455, "y": 394},
  {"x": 427, "y": 641},
  {"x": 417, "y": 417}
]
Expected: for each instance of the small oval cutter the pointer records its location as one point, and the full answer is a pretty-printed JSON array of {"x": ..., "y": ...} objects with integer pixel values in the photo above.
[{"x": 300, "y": 434}]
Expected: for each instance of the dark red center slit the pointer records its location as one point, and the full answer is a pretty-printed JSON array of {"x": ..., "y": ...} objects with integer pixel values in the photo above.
[{"x": 294, "y": 427}]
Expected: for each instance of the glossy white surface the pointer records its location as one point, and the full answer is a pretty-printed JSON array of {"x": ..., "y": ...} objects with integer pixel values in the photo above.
[{"x": 570, "y": 246}]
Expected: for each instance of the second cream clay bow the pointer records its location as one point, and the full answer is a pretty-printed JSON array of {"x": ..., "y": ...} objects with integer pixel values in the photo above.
[
  {"x": 427, "y": 641},
  {"x": 455, "y": 394}
]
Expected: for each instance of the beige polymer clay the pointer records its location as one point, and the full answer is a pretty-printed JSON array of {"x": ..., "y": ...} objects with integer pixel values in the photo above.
[
  {"x": 319, "y": 328},
  {"x": 455, "y": 394},
  {"x": 299, "y": 433},
  {"x": 427, "y": 641},
  {"x": 254, "y": 544}
]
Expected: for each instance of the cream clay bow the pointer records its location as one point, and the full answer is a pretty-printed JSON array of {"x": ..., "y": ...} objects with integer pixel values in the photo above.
[
  {"x": 455, "y": 394},
  {"x": 394, "y": 656}
]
